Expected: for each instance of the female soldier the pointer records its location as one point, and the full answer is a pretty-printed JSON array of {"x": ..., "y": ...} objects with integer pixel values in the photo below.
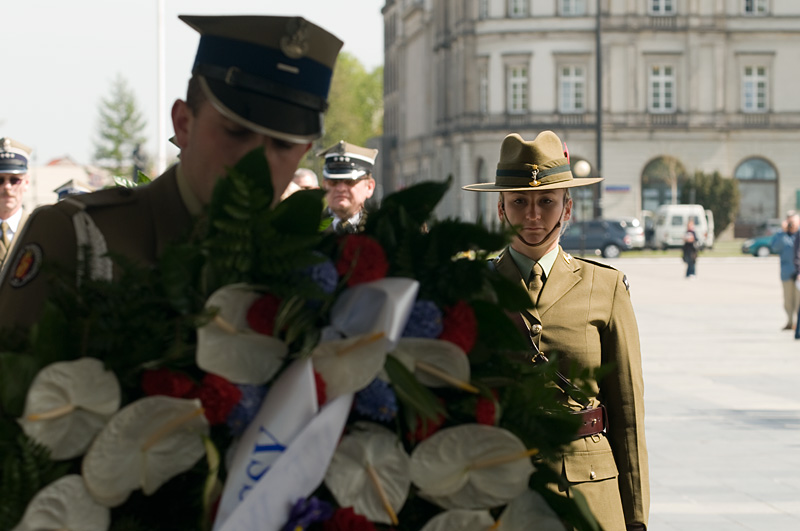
[{"x": 580, "y": 310}]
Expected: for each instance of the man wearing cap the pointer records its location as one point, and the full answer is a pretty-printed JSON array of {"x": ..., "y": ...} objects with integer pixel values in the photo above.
[
  {"x": 304, "y": 179},
  {"x": 257, "y": 82},
  {"x": 349, "y": 183},
  {"x": 581, "y": 312},
  {"x": 13, "y": 185}
]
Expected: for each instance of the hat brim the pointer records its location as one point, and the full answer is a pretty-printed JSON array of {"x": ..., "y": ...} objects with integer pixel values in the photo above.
[
  {"x": 492, "y": 187},
  {"x": 16, "y": 170},
  {"x": 264, "y": 114}
]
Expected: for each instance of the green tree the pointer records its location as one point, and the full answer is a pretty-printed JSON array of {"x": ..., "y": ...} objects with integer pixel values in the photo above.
[
  {"x": 716, "y": 193},
  {"x": 120, "y": 129},
  {"x": 355, "y": 111}
]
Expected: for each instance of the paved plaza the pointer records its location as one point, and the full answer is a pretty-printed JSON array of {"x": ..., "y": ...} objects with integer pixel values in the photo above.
[{"x": 722, "y": 394}]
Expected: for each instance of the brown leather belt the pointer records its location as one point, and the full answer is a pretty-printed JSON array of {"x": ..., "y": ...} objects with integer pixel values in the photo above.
[{"x": 594, "y": 421}]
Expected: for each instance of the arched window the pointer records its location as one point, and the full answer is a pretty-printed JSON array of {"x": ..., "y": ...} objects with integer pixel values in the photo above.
[
  {"x": 662, "y": 179},
  {"x": 758, "y": 189}
]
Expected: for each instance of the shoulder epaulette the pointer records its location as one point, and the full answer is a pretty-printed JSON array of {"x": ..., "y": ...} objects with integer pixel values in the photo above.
[
  {"x": 109, "y": 196},
  {"x": 593, "y": 262}
]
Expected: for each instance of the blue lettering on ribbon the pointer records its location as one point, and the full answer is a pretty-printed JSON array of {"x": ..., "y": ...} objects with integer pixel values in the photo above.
[{"x": 258, "y": 467}]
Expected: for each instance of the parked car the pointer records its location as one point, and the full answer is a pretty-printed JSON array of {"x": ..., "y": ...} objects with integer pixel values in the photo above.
[
  {"x": 762, "y": 245},
  {"x": 636, "y": 231},
  {"x": 604, "y": 237}
]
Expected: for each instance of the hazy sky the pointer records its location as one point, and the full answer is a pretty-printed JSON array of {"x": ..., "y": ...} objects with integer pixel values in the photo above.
[{"x": 60, "y": 57}]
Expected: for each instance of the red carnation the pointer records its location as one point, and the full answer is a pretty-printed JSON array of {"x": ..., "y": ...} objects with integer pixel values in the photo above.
[
  {"x": 363, "y": 259},
  {"x": 459, "y": 326},
  {"x": 486, "y": 410},
  {"x": 319, "y": 383},
  {"x": 262, "y": 313},
  {"x": 347, "y": 520},
  {"x": 218, "y": 397},
  {"x": 166, "y": 382}
]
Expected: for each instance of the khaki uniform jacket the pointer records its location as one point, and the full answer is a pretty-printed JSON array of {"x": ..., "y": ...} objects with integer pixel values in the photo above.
[
  {"x": 586, "y": 317},
  {"x": 137, "y": 223}
]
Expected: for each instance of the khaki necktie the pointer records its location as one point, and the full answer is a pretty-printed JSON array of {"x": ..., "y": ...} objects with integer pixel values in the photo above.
[
  {"x": 5, "y": 241},
  {"x": 536, "y": 282}
]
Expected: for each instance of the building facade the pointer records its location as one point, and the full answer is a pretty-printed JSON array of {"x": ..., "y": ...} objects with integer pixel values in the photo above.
[{"x": 646, "y": 91}]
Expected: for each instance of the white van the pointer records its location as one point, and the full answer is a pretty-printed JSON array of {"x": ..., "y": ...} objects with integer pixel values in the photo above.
[{"x": 670, "y": 225}]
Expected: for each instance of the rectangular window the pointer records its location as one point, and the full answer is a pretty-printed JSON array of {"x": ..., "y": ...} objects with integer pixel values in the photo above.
[
  {"x": 755, "y": 7},
  {"x": 517, "y": 8},
  {"x": 662, "y": 7},
  {"x": 754, "y": 89},
  {"x": 517, "y": 89},
  {"x": 572, "y": 89},
  {"x": 662, "y": 89},
  {"x": 483, "y": 9},
  {"x": 483, "y": 90},
  {"x": 573, "y": 8}
]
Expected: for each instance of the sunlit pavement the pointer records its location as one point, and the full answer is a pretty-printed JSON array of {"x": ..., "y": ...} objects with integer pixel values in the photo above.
[{"x": 722, "y": 394}]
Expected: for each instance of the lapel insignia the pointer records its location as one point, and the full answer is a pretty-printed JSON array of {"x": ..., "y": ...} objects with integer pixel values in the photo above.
[
  {"x": 567, "y": 258},
  {"x": 627, "y": 284}
]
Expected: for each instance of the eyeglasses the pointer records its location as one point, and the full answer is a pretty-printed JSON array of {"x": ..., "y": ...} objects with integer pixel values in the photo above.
[{"x": 13, "y": 181}]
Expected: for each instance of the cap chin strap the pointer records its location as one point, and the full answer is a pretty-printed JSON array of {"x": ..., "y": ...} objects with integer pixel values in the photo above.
[{"x": 546, "y": 236}]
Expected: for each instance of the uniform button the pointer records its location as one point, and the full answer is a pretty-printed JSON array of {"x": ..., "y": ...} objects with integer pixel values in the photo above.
[
  {"x": 536, "y": 329},
  {"x": 592, "y": 475}
]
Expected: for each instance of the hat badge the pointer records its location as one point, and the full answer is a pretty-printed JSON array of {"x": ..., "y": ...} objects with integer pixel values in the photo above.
[
  {"x": 6, "y": 144},
  {"x": 534, "y": 173},
  {"x": 295, "y": 43}
]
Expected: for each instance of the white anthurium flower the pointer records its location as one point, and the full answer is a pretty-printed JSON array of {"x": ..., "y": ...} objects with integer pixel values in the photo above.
[
  {"x": 143, "y": 446},
  {"x": 461, "y": 519},
  {"x": 526, "y": 508},
  {"x": 369, "y": 472},
  {"x": 471, "y": 466},
  {"x": 65, "y": 504},
  {"x": 349, "y": 365},
  {"x": 68, "y": 403},
  {"x": 228, "y": 347},
  {"x": 435, "y": 362}
]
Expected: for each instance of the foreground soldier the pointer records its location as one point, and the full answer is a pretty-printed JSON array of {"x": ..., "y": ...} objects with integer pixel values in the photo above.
[
  {"x": 581, "y": 311},
  {"x": 349, "y": 183},
  {"x": 257, "y": 81}
]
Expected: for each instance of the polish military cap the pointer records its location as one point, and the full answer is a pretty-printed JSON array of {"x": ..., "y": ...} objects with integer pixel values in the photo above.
[
  {"x": 538, "y": 164},
  {"x": 13, "y": 156},
  {"x": 347, "y": 161},
  {"x": 269, "y": 74}
]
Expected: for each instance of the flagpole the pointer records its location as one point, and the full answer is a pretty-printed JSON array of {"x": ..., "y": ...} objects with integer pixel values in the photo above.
[{"x": 161, "y": 162}]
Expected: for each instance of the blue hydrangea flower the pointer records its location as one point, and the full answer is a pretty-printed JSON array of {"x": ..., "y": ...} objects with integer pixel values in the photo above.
[
  {"x": 425, "y": 320},
  {"x": 376, "y": 401},
  {"x": 243, "y": 412},
  {"x": 324, "y": 274},
  {"x": 307, "y": 512}
]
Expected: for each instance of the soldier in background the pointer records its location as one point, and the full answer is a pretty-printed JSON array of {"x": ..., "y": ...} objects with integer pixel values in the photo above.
[
  {"x": 304, "y": 179},
  {"x": 349, "y": 183},
  {"x": 257, "y": 82},
  {"x": 14, "y": 183}
]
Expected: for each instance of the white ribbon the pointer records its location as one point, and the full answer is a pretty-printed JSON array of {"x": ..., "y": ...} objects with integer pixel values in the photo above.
[
  {"x": 289, "y": 406},
  {"x": 379, "y": 306}
]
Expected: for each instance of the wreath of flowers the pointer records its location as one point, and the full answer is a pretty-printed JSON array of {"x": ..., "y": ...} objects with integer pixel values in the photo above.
[{"x": 269, "y": 375}]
